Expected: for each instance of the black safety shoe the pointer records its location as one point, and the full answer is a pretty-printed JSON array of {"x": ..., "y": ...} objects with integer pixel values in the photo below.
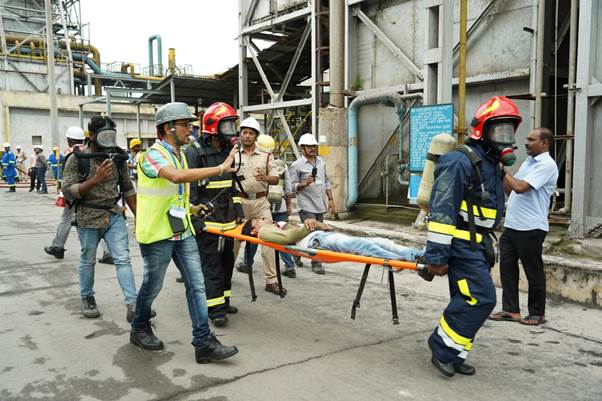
[
  {"x": 243, "y": 268},
  {"x": 145, "y": 338},
  {"x": 106, "y": 259},
  {"x": 89, "y": 308},
  {"x": 290, "y": 273},
  {"x": 131, "y": 312},
  {"x": 231, "y": 310},
  {"x": 213, "y": 350},
  {"x": 318, "y": 269},
  {"x": 465, "y": 369},
  {"x": 425, "y": 274},
  {"x": 447, "y": 369},
  {"x": 58, "y": 253},
  {"x": 220, "y": 321}
]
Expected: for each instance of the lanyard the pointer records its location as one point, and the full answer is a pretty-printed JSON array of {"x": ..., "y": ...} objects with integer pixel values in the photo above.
[{"x": 171, "y": 153}]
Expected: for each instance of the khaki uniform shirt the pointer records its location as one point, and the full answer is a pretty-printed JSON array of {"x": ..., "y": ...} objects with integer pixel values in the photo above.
[{"x": 251, "y": 164}]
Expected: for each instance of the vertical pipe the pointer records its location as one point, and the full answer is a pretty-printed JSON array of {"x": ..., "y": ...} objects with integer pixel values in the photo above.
[
  {"x": 68, "y": 47},
  {"x": 315, "y": 106},
  {"x": 172, "y": 89},
  {"x": 138, "y": 119},
  {"x": 337, "y": 52},
  {"x": 172, "y": 61},
  {"x": 541, "y": 14},
  {"x": 242, "y": 62},
  {"x": 109, "y": 108},
  {"x": 54, "y": 123},
  {"x": 462, "y": 77},
  {"x": 570, "y": 114}
]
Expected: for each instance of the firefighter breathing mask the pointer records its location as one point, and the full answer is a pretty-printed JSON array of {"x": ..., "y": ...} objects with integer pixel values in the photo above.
[
  {"x": 500, "y": 136},
  {"x": 228, "y": 127},
  {"x": 106, "y": 136}
]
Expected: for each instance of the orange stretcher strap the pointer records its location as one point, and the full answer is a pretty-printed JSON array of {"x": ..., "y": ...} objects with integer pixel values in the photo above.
[{"x": 316, "y": 254}]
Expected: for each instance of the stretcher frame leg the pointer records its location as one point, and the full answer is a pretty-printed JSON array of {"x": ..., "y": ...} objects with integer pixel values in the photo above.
[
  {"x": 278, "y": 274},
  {"x": 395, "y": 317},
  {"x": 360, "y": 290},
  {"x": 252, "y": 284}
]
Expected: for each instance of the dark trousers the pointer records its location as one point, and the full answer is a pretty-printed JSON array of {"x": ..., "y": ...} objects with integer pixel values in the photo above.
[
  {"x": 217, "y": 269},
  {"x": 41, "y": 172},
  {"x": 472, "y": 298},
  {"x": 525, "y": 246},
  {"x": 304, "y": 215},
  {"x": 33, "y": 176}
]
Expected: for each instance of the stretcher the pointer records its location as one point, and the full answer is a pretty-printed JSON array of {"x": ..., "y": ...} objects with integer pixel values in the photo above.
[{"x": 325, "y": 256}]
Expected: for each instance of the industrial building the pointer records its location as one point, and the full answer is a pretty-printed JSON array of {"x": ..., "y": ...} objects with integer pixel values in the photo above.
[{"x": 347, "y": 71}]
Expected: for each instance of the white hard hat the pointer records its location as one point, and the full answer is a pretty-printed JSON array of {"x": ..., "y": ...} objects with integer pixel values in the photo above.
[
  {"x": 308, "y": 140},
  {"x": 18, "y": 147},
  {"x": 38, "y": 147},
  {"x": 75, "y": 133},
  {"x": 6, "y": 145},
  {"x": 250, "y": 122},
  {"x": 265, "y": 143}
]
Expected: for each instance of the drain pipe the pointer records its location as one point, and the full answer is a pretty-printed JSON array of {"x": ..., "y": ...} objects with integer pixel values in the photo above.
[
  {"x": 390, "y": 99},
  {"x": 151, "y": 58},
  {"x": 570, "y": 114}
]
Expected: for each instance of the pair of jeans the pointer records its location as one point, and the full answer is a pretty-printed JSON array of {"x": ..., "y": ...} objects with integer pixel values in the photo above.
[
  {"x": 116, "y": 237},
  {"x": 375, "y": 247},
  {"x": 41, "y": 175},
  {"x": 185, "y": 255},
  {"x": 64, "y": 228},
  {"x": 251, "y": 249}
]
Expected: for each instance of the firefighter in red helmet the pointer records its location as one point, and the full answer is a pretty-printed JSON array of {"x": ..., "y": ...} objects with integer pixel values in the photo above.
[
  {"x": 466, "y": 204},
  {"x": 220, "y": 202}
]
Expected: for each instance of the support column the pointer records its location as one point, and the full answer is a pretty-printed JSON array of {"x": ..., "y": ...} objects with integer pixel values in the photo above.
[{"x": 438, "y": 64}]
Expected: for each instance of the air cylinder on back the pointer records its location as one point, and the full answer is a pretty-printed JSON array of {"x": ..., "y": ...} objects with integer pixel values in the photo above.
[{"x": 440, "y": 144}]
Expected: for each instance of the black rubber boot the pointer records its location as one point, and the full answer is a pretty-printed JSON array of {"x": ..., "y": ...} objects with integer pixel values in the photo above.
[
  {"x": 465, "y": 369},
  {"x": 145, "y": 338},
  {"x": 213, "y": 350},
  {"x": 58, "y": 253},
  {"x": 447, "y": 369}
]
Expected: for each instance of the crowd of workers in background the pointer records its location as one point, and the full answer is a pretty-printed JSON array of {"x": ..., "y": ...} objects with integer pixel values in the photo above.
[{"x": 221, "y": 173}]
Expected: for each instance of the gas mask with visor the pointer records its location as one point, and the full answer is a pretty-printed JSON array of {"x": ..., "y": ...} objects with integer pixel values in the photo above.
[
  {"x": 500, "y": 137},
  {"x": 227, "y": 130}
]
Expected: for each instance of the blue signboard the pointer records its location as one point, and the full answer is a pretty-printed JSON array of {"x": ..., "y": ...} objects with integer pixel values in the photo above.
[{"x": 425, "y": 123}]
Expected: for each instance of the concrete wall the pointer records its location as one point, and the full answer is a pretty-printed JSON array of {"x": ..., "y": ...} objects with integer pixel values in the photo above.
[
  {"x": 497, "y": 50},
  {"x": 31, "y": 76}
]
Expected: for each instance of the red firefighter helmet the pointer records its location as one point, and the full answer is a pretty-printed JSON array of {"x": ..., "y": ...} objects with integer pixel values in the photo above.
[
  {"x": 214, "y": 114},
  {"x": 494, "y": 108}
]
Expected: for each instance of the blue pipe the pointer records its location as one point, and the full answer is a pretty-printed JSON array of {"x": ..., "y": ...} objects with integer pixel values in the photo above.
[
  {"x": 97, "y": 70},
  {"x": 151, "y": 58},
  {"x": 390, "y": 99}
]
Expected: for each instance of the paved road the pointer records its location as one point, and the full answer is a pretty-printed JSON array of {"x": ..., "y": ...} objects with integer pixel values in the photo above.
[{"x": 303, "y": 347}]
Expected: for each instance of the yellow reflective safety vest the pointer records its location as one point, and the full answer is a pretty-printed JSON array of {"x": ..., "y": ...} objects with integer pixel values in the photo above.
[{"x": 154, "y": 198}]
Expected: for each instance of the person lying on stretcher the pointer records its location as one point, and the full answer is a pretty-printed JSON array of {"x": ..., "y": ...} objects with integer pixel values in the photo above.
[{"x": 316, "y": 235}]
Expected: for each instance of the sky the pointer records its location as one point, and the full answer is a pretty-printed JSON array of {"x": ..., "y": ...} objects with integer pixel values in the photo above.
[{"x": 204, "y": 33}]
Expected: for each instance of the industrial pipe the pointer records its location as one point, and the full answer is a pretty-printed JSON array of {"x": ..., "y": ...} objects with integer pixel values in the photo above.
[
  {"x": 570, "y": 113},
  {"x": 171, "y": 60},
  {"x": 337, "y": 53},
  {"x": 389, "y": 99},
  {"x": 462, "y": 75},
  {"x": 539, "y": 61},
  {"x": 151, "y": 58}
]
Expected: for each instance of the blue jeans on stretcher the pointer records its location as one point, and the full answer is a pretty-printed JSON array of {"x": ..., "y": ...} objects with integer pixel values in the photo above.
[
  {"x": 374, "y": 247},
  {"x": 185, "y": 255}
]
